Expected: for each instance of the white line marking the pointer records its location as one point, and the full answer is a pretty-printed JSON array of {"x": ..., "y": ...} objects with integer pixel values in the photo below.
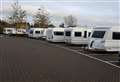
[
  {"x": 107, "y": 62},
  {"x": 100, "y": 54},
  {"x": 88, "y": 56},
  {"x": 114, "y": 61}
]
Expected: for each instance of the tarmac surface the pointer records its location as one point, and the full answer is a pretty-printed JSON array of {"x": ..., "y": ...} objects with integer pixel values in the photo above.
[{"x": 30, "y": 60}]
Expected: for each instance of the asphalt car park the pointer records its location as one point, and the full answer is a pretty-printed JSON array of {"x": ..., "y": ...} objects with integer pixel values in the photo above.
[{"x": 30, "y": 60}]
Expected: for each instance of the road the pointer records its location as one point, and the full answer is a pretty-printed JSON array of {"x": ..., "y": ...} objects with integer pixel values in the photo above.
[{"x": 29, "y": 60}]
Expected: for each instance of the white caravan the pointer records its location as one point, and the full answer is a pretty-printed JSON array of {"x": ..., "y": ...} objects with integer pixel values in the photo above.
[
  {"x": 55, "y": 34},
  {"x": 105, "y": 39},
  {"x": 20, "y": 31},
  {"x": 77, "y": 35},
  {"x": 35, "y": 32},
  {"x": 9, "y": 31}
]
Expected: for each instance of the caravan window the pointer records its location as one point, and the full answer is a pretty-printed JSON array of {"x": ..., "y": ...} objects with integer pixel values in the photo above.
[
  {"x": 85, "y": 34},
  {"x": 116, "y": 36},
  {"x": 78, "y": 34},
  {"x": 68, "y": 33},
  {"x": 98, "y": 34},
  {"x": 89, "y": 34},
  {"x": 37, "y": 32},
  {"x": 19, "y": 31},
  {"x": 9, "y": 30},
  {"x": 58, "y": 33}
]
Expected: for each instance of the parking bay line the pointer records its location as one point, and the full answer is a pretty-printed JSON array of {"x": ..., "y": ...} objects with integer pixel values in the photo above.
[
  {"x": 68, "y": 49},
  {"x": 100, "y": 54},
  {"x": 113, "y": 61},
  {"x": 92, "y": 54}
]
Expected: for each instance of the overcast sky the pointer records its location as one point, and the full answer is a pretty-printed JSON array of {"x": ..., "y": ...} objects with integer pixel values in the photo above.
[{"x": 88, "y": 12}]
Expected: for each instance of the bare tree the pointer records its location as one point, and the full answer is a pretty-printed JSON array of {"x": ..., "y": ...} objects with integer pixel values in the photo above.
[
  {"x": 18, "y": 16},
  {"x": 70, "y": 21},
  {"x": 41, "y": 19}
]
